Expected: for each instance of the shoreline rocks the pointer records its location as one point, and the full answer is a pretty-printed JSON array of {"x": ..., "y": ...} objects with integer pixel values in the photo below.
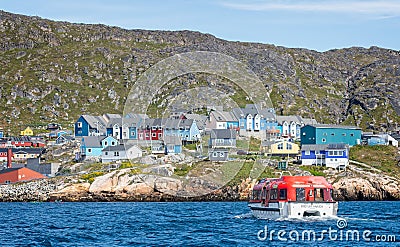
[{"x": 122, "y": 185}]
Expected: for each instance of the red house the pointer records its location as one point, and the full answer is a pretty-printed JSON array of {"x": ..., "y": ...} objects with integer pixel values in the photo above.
[
  {"x": 13, "y": 175},
  {"x": 151, "y": 130}
]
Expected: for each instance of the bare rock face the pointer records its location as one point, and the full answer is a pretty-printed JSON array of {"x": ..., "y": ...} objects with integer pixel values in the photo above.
[
  {"x": 374, "y": 187},
  {"x": 72, "y": 192}
]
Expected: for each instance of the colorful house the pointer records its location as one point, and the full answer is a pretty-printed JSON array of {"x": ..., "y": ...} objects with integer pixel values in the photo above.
[
  {"x": 329, "y": 155},
  {"x": 13, "y": 175},
  {"x": 254, "y": 120},
  {"x": 372, "y": 139},
  {"x": 186, "y": 129},
  {"x": 222, "y": 120},
  {"x": 120, "y": 152},
  {"x": 282, "y": 148},
  {"x": 173, "y": 145},
  {"x": 27, "y": 132},
  {"x": 150, "y": 129},
  {"x": 222, "y": 138},
  {"x": 290, "y": 126},
  {"x": 88, "y": 125},
  {"x": 330, "y": 134},
  {"x": 92, "y": 146}
]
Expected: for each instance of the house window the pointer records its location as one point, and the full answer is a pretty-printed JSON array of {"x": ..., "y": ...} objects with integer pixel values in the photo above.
[
  {"x": 112, "y": 143},
  {"x": 344, "y": 134},
  {"x": 215, "y": 154},
  {"x": 140, "y": 136},
  {"x": 317, "y": 152},
  {"x": 153, "y": 134},
  {"x": 147, "y": 134},
  {"x": 106, "y": 153},
  {"x": 304, "y": 133},
  {"x": 79, "y": 124},
  {"x": 133, "y": 133},
  {"x": 116, "y": 153},
  {"x": 280, "y": 146},
  {"x": 89, "y": 150},
  {"x": 332, "y": 134},
  {"x": 325, "y": 134},
  {"x": 288, "y": 146},
  {"x": 323, "y": 140},
  {"x": 105, "y": 143},
  {"x": 153, "y": 128},
  {"x": 221, "y": 154},
  {"x": 7, "y": 182},
  {"x": 351, "y": 134},
  {"x": 307, "y": 152}
]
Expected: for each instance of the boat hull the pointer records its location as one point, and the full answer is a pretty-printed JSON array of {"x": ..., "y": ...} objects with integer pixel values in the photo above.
[{"x": 294, "y": 209}]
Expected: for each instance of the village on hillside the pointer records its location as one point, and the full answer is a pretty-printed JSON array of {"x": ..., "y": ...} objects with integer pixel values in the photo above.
[{"x": 182, "y": 138}]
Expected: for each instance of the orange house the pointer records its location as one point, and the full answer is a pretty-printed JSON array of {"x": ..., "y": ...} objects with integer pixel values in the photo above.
[{"x": 13, "y": 175}]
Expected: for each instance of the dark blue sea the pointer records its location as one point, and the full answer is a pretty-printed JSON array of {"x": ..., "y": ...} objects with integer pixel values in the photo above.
[{"x": 191, "y": 224}]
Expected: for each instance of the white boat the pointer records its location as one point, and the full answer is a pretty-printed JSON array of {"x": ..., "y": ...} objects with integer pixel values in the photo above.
[{"x": 292, "y": 197}]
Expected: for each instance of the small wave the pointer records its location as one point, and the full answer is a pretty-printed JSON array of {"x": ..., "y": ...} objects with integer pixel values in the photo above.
[
  {"x": 309, "y": 219},
  {"x": 244, "y": 216}
]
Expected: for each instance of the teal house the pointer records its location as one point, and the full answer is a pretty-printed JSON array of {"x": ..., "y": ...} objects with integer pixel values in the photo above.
[{"x": 329, "y": 134}]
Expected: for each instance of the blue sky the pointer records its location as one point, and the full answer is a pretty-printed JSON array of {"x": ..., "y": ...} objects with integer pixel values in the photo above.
[{"x": 318, "y": 25}]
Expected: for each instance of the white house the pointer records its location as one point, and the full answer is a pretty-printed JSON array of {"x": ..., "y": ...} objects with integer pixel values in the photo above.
[{"x": 120, "y": 152}]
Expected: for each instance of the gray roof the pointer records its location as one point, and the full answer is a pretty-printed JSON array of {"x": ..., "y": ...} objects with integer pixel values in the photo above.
[
  {"x": 120, "y": 147},
  {"x": 265, "y": 113},
  {"x": 93, "y": 141},
  {"x": 289, "y": 119},
  {"x": 96, "y": 122},
  {"x": 177, "y": 123},
  {"x": 115, "y": 148},
  {"x": 172, "y": 140},
  {"x": 338, "y": 146},
  {"x": 334, "y": 126},
  {"x": 224, "y": 116},
  {"x": 309, "y": 147},
  {"x": 201, "y": 120},
  {"x": 223, "y": 134},
  {"x": 309, "y": 121}
]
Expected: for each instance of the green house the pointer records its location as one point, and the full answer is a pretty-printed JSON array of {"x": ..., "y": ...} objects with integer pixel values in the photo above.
[{"x": 328, "y": 134}]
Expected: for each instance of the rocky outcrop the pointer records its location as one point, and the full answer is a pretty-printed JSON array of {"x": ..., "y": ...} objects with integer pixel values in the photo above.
[
  {"x": 375, "y": 187},
  {"x": 124, "y": 185}
]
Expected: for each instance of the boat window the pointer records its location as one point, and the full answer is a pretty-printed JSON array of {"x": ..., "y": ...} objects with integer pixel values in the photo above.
[
  {"x": 274, "y": 194},
  {"x": 300, "y": 194},
  {"x": 264, "y": 193},
  {"x": 282, "y": 194},
  {"x": 319, "y": 195}
]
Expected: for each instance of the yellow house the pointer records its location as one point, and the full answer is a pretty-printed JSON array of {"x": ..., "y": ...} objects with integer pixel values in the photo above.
[
  {"x": 283, "y": 148},
  {"x": 27, "y": 132}
]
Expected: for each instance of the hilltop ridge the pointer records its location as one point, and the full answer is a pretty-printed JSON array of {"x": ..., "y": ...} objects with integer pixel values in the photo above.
[{"x": 56, "y": 71}]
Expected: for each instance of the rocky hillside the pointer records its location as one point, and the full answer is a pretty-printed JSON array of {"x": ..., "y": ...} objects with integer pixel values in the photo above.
[{"x": 55, "y": 71}]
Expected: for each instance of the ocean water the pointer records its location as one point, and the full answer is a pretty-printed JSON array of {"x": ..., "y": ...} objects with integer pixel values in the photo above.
[{"x": 191, "y": 224}]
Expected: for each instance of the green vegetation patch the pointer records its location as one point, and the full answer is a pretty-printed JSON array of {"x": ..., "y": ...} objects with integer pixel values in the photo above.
[
  {"x": 314, "y": 170},
  {"x": 90, "y": 177},
  {"x": 381, "y": 157}
]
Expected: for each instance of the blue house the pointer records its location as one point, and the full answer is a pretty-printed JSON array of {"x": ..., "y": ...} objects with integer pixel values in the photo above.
[
  {"x": 327, "y": 134},
  {"x": 255, "y": 121},
  {"x": 173, "y": 145},
  {"x": 92, "y": 146},
  {"x": 186, "y": 129},
  {"x": 329, "y": 155},
  {"x": 222, "y": 120},
  {"x": 88, "y": 125}
]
